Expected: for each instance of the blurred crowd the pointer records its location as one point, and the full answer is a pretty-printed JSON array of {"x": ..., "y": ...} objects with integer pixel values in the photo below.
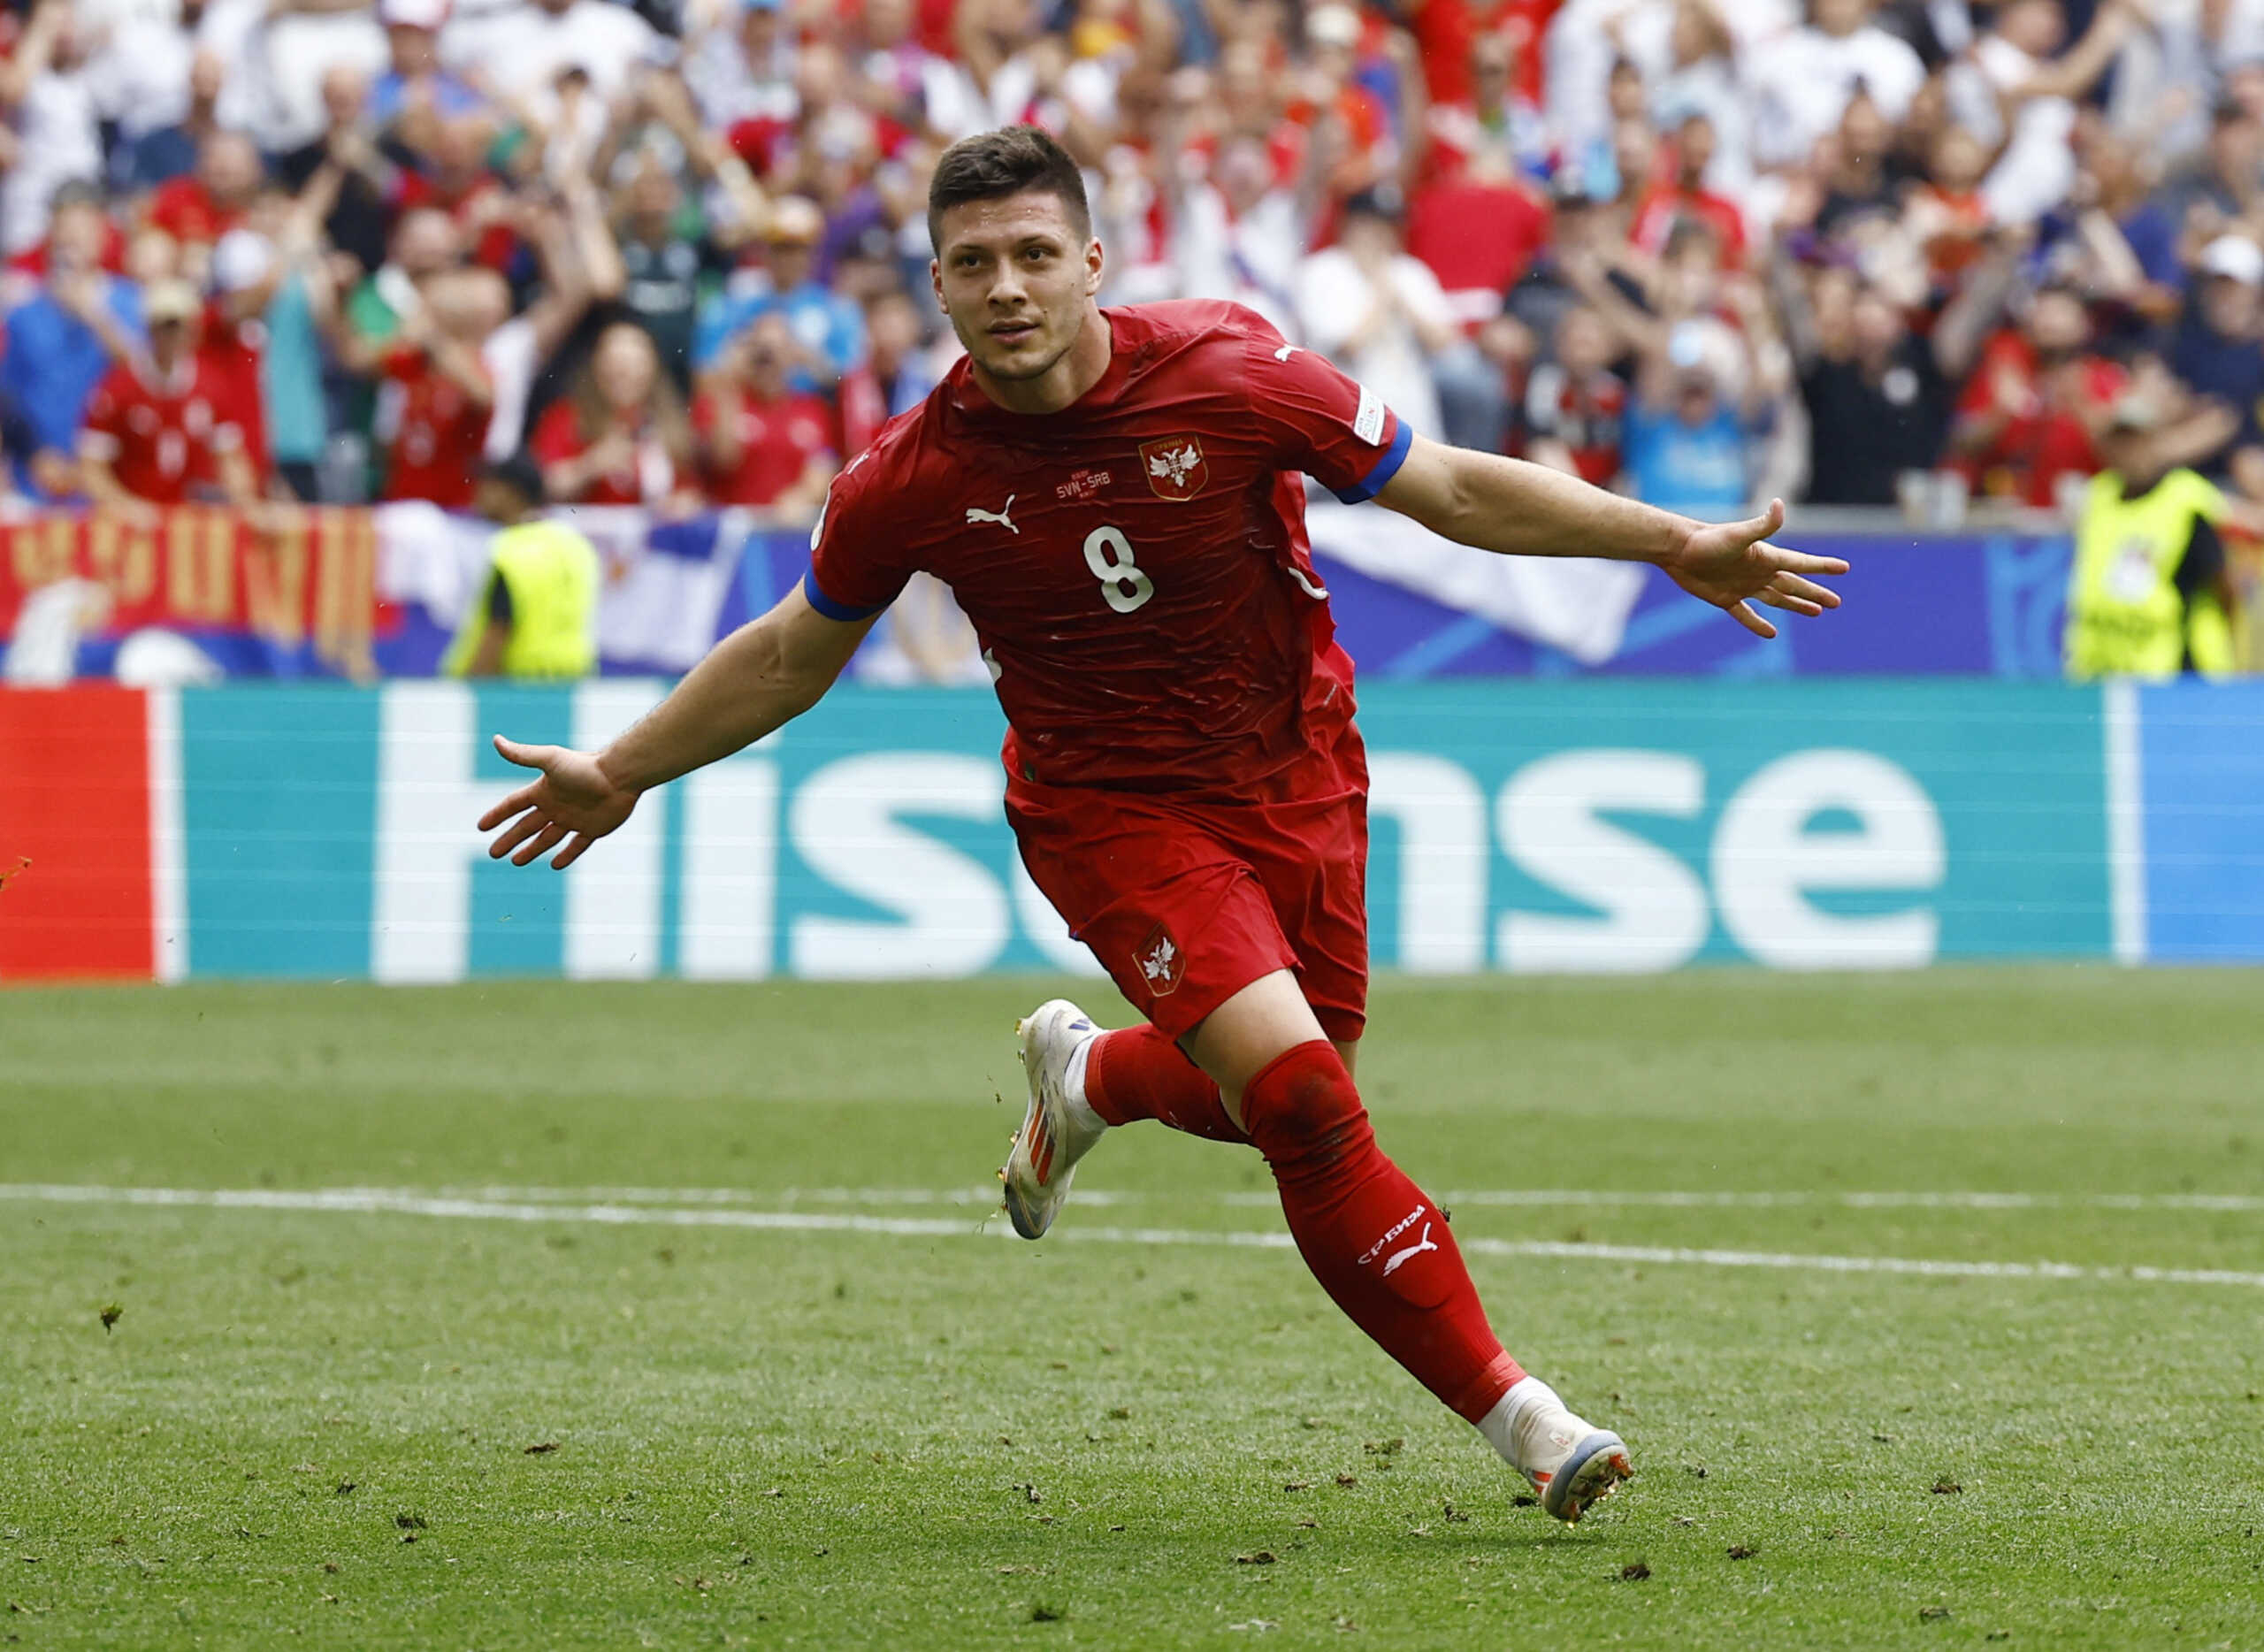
[{"x": 1911, "y": 253}]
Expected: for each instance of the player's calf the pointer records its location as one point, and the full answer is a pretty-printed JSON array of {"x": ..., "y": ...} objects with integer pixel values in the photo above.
[{"x": 1384, "y": 1253}]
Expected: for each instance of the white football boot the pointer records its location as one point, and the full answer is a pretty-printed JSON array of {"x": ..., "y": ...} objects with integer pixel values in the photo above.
[
  {"x": 1571, "y": 1464},
  {"x": 1060, "y": 1129}
]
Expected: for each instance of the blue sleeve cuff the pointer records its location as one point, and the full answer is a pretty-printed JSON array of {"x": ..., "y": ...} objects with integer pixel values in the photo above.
[
  {"x": 1386, "y": 467},
  {"x": 832, "y": 610}
]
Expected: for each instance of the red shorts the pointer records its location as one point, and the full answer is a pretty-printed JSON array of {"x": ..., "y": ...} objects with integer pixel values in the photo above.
[{"x": 1186, "y": 903}]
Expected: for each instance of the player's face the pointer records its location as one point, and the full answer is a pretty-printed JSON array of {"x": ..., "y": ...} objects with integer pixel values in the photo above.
[{"x": 1017, "y": 281}]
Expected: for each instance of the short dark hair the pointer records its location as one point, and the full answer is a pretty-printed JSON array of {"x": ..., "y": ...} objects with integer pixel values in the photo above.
[
  {"x": 519, "y": 471},
  {"x": 991, "y": 166}
]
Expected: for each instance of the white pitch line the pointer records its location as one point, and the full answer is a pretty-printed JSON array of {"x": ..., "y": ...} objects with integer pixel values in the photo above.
[
  {"x": 1602, "y": 1198},
  {"x": 394, "y": 1202}
]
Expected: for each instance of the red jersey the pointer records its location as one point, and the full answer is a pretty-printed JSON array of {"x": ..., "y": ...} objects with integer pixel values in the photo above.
[
  {"x": 1136, "y": 565},
  {"x": 777, "y": 442},
  {"x": 185, "y": 209},
  {"x": 439, "y": 444},
  {"x": 1588, "y": 415},
  {"x": 1476, "y": 236},
  {"x": 1665, "y": 206},
  {"x": 646, "y": 480},
  {"x": 163, "y": 439},
  {"x": 2043, "y": 437}
]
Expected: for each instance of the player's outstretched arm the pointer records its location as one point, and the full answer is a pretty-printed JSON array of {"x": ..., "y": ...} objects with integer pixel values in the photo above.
[
  {"x": 1522, "y": 509},
  {"x": 763, "y": 675}
]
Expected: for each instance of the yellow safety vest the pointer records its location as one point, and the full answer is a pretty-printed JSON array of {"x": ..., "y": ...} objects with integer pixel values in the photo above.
[
  {"x": 2125, "y": 615},
  {"x": 552, "y": 574}
]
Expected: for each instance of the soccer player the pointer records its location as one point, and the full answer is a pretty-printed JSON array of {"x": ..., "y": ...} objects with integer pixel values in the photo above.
[{"x": 1113, "y": 496}]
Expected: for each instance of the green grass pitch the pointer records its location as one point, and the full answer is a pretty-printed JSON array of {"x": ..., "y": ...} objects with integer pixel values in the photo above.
[{"x": 798, "y": 1391}]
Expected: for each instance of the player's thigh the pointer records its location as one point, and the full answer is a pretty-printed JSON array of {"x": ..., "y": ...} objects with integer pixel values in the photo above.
[
  {"x": 1178, "y": 918},
  {"x": 1313, "y": 861}
]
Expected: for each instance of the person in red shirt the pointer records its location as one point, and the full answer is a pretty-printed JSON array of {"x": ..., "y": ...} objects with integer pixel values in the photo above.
[
  {"x": 2037, "y": 404},
  {"x": 157, "y": 433},
  {"x": 762, "y": 442},
  {"x": 1114, "y": 497},
  {"x": 447, "y": 393},
  {"x": 199, "y": 208},
  {"x": 1575, "y": 406},
  {"x": 621, "y": 437},
  {"x": 1684, "y": 195}
]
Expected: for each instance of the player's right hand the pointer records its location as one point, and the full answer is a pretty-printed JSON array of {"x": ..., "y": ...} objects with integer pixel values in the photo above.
[{"x": 574, "y": 803}]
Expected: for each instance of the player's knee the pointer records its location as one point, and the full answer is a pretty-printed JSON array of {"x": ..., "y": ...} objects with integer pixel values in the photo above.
[{"x": 1303, "y": 1107}]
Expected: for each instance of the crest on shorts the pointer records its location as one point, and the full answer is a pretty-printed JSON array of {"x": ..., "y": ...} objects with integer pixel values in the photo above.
[
  {"x": 1160, "y": 960},
  {"x": 1174, "y": 467}
]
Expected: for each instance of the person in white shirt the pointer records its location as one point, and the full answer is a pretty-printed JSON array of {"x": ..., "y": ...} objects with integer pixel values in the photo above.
[
  {"x": 2017, "y": 80},
  {"x": 58, "y": 140},
  {"x": 1237, "y": 235},
  {"x": 1802, "y": 82},
  {"x": 1377, "y": 312},
  {"x": 521, "y": 52}
]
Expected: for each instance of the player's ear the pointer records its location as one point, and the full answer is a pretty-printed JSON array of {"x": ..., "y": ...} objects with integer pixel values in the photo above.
[
  {"x": 936, "y": 280},
  {"x": 1093, "y": 263}
]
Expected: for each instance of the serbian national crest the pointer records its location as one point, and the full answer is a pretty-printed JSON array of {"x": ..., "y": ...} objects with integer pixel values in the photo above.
[
  {"x": 1174, "y": 467},
  {"x": 1161, "y": 962}
]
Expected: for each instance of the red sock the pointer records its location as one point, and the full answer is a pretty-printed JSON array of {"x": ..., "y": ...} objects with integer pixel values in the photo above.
[
  {"x": 1139, "y": 1074},
  {"x": 1371, "y": 1237}
]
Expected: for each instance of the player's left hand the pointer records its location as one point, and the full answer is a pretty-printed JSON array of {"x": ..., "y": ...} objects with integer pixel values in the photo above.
[{"x": 1733, "y": 566}]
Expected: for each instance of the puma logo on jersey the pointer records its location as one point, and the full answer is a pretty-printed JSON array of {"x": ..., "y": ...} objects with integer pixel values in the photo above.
[
  {"x": 999, "y": 516},
  {"x": 1285, "y": 352}
]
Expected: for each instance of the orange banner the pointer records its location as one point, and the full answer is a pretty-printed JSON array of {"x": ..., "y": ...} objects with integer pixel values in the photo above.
[{"x": 288, "y": 574}]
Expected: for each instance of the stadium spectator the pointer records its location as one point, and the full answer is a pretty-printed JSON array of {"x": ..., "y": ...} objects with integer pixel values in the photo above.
[
  {"x": 147, "y": 154},
  {"x": 2218, "y": 350},
  {"x": 158, "y": 430},
  {"x": 1879, "y": 397},
  {"x": 358, "y": 184},
  {"x": 49, "y": 99},
  {"x": 620, "y": 436},
  {"x": 1379, "y": 313},
  {"x": 519, "y": 52},
  {"x": 2037, "y": 402},
  {"x": 60, "y": 343},
  {"x": 895, "y": 377},
  {"x": 1574, "y": 405},
  {"x": 762, "y": 442},
  {"x": 275, "y": 299},
  {"x": 445, "y": 390},
  {"x": 2018, "y": 66},
  {"x": 1238, "y": 233},
  {"x": 414, "y": 83},
  {"x": 198, "y": 208},
  {"x": 1684, "y": 196},
  {"x": 1802, "y": 82},
  {"x": 1496, "y": 130},
  {"x": 829, "y": 331}
]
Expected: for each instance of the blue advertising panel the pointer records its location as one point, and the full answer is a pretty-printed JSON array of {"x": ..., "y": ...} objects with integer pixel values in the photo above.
[{"x": 2201, "y": 780}]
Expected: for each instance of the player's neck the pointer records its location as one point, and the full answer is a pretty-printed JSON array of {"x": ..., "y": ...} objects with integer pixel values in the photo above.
[{"x": 1081, "y": 368}]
